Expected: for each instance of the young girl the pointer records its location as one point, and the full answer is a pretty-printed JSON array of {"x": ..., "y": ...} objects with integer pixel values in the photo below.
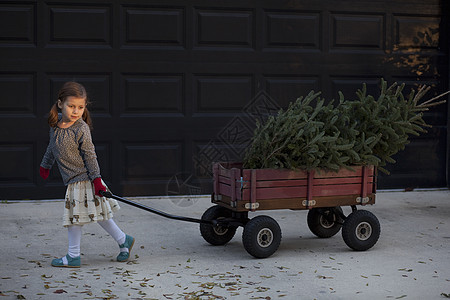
[{"x": 72, "y": 148}]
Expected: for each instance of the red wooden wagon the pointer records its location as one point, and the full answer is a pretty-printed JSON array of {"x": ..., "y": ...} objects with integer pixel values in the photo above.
[{"x": 238, "y": 191}]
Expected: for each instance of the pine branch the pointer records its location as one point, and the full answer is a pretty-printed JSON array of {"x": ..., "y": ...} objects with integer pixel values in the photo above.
[{"x": 366, "y": 131}]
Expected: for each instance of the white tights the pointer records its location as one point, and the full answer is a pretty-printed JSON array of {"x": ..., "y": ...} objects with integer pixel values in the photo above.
[{"x": 74, "y": 233}]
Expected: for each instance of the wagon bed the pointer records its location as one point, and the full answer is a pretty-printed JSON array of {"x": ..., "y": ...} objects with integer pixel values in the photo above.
[{"x": 265, "y": 189}]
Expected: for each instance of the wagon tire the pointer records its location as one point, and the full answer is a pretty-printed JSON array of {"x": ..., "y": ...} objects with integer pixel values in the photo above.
[
  {"x": 325, "y": 222},
  {"x": 261, "y": 236},
  {"x": 361, "y": 230},
  {"x": 217, "y": 234}
]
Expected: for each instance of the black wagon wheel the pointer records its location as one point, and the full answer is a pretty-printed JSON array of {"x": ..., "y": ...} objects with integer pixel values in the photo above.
[
  {"x": 361, "y": 230},
  {"x": 218, "y": 234},
  {"x": 325, "y": 222},
  {"x": 261, "y": 236}
]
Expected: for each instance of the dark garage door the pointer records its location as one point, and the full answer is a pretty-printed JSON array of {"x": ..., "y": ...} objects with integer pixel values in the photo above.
[{"x": 176, "y": 86}]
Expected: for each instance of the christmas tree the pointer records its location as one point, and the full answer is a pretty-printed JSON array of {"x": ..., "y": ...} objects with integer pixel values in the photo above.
[{"x": 310, "y": 134}]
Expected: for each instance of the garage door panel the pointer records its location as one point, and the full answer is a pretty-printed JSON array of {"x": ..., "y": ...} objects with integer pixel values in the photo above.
[
  {"x": 418, "y": 32},
  {"x": 222, "y": 93},
  {"x": 291, "y": 29},
  {"x": 17, "y": 166},
  {"x": 219, "y": 27},
  {"x": 147, "y": 162},
  {"x": 153, "y": 26},
  {"x": 357, "y": 31},
  {"x": 77, "y": 24},
  {"x": 18, "y": 94},
  {"x": 23, "y": 33},
  {"x": 153, "y": 93}
]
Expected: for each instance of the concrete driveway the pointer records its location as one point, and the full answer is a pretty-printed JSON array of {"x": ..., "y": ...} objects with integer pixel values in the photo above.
[{"x": 170, "y": 259}]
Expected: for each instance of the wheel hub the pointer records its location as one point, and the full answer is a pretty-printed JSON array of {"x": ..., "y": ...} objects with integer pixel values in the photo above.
[
  {"x": 220, "y": 230},
  {"x": 363, "y": 231},
  {"x": 327, "y": 220},
  {"x": 265, "y": 237}
]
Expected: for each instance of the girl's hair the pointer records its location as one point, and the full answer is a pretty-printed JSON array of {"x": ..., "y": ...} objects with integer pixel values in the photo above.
[{"x": 69, "y": 89}]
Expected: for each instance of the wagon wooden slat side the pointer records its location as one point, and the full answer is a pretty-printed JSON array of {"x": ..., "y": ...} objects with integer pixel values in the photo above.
[{"x": 266, "y": 189}]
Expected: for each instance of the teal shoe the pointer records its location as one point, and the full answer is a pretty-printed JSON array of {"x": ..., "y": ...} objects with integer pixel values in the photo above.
[
  {"x": 129, "y": 242},
  {"x": 74, "y": 262}
]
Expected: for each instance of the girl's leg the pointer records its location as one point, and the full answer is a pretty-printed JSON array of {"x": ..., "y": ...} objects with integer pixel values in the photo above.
[
  {"x": 74, "y": 233},
  {"x": 111, "y": 227},
  {"x": 72, "y": 259},
  {"x": 125, "y": 241}
]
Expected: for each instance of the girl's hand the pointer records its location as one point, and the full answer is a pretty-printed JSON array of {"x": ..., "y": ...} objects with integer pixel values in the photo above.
[
  {"x": 98, "y": 186},
  {"x": 44, "y": 172}
]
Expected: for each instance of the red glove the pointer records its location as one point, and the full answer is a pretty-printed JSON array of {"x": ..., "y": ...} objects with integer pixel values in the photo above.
[
  {"x": 98, "y": 186},
  {"x": 44, "y": 172}
]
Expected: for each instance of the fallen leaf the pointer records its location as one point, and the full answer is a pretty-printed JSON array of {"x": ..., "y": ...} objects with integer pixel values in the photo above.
[{"x": 60, "y": 291}]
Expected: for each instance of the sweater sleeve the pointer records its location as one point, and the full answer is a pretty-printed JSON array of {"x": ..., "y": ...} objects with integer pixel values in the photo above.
[
  {"x": 87, "y": 151},
  {"x": 49, "y": 159}
]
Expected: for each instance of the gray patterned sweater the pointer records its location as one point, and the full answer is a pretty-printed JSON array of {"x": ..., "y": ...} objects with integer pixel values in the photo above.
[{"x": 74, "y": 152}]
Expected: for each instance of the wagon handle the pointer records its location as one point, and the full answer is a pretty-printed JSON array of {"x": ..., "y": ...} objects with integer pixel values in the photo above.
[{"x": 155, "y": 211}]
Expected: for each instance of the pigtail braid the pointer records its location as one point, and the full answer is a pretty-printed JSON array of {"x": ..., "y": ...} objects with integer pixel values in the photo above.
[
  {"x": 87, "y": 117},
  {"x": 53, "y": 116}
]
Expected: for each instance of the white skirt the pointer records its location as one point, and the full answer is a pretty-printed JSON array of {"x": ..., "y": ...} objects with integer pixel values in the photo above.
[{"x": 83, "y": 207}]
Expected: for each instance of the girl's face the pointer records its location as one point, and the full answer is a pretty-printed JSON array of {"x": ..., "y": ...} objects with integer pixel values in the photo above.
[{"x": 72, "y": 109}]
